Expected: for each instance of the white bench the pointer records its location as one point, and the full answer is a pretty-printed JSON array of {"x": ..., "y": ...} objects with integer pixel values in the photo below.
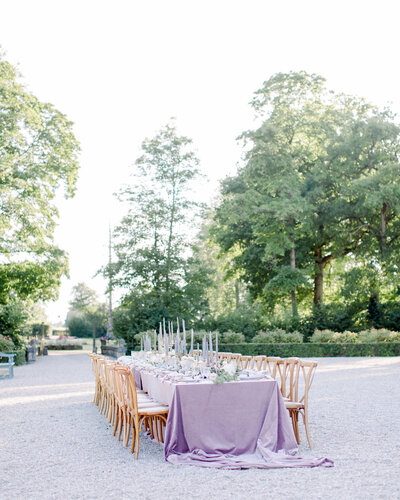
[{"x": 7, "y": 369}]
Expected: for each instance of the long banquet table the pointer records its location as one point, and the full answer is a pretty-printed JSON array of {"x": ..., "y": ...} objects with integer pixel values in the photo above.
[{"x": 234, "y": 425}]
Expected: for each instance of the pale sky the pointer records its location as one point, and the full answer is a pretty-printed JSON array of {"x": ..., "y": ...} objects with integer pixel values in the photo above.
[{"x": 120, "y": 69}]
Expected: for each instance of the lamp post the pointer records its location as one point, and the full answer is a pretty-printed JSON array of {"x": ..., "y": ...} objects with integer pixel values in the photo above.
[{"x": 110, "y": 329}]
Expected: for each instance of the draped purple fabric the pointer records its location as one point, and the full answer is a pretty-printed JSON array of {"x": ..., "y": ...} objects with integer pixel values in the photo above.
[{"x": 235, "y": 425}]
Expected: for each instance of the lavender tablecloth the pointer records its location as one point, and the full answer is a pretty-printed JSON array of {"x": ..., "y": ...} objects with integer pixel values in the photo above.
[{"x": 235, "y": 425}]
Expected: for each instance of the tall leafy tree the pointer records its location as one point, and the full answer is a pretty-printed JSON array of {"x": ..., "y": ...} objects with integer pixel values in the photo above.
[
  {"x": 152, "y": 240},
  {"x": 307, "y": 189},
  {"x": 38, "y": 156}
]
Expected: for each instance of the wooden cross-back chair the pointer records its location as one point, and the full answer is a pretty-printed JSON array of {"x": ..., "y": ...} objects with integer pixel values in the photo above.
[
  {"x": 120, "y": 405},
  {"x": 286, "y": 370},
  {"x": 95, "y": 368},
  {"x": 271, "y": 364},
  {"x": 154, "y": 416},
  {"x": 110, "y": 390},
  {"x": 245, "y": 362},
  {"x": 101, "y": 361},
  {"x": 121, "y": 417},
  {"x": 225, "y": 356},
  {"x": 259, "y": 362},
  {"x": 305, "y": 370},
  {"x": 235, "y": 356}
]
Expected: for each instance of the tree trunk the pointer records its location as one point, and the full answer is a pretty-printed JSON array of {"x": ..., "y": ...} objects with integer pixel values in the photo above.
[
  {"x": 293, "y": 292},
  {"x": 319, "y": 283},
  {"x": 170, "y": 236},
  {"x": 94, "y": 339},
  {"x": 237, "y": 298},
  {"x": 382, "y": 236}
]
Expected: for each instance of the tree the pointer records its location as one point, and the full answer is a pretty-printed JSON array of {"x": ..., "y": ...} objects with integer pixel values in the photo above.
[
  {"x": 311, "y": 188},
  {"x": 83, "y": 298},
  {"x": 87, "y": 315},
  {"x": 152, "y": 241},
  {"x": 38, "y": 156}
]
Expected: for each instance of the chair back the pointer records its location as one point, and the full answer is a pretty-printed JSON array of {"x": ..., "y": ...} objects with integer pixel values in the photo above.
[
  {"x": 235, "y": 356},
  {"x": 244, "y": 362},
  {"x": 288, "y": 373},
  {"x": 224, "y": 356},
  {"x": 109, "y": 374},
  {"x": 119, "y": 384},
  {"x": 259, "y": 362},
  {"x": 271, "y": 364},
  {"x": 307, "y": 371},
  {"x": 130, "y": 393}
]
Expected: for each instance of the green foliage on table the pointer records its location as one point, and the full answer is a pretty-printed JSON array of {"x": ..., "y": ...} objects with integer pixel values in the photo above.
[{"x": 223, "y": 376}]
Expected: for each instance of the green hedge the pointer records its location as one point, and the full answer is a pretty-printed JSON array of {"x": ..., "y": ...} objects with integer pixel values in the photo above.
[
  {"x": 311, "y": 350},
  {"x": 64, "y": 347}
]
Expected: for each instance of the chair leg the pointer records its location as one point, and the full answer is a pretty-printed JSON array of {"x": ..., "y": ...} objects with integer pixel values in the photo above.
[
  {"x": 137, "y": 439},
  {"x": 155, "y": 423},
  {"x": 116, "y": 419},
  {"x": 149, "y": 420},
  {"x": 160, "y": 423},
  {"x": 120, "y": 424},
  {"x": 305, "y": 419},
  {"x": 135, "y": 433},
  {"x": 127, "y": 431},
  {"x": 295, "y": 423}
]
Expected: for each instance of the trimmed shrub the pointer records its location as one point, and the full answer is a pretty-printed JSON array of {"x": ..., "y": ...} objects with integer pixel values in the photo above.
[
  {"x": 20, "y": 357},
  {"x": 64, "y": 347},
  {"x": 381, "y": 335},
  {"x": 277, "y": 337},
  {"x": 231, "y": 338},
  {"x": 314, "y": 350},
  {"x": 365, "y": 336}
]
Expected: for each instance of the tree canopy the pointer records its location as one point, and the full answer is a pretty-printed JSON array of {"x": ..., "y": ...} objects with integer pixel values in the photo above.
[
  {"x": 151, "y": 243},
  {"x": 38, "y": 157},
  {"x": 319, "y": 182}
]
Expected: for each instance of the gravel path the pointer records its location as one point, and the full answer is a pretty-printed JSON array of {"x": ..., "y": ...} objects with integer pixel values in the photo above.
[{"x": 55, "y": 445}]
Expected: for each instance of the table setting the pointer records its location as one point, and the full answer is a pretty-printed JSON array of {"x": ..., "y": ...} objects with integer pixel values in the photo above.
[{"x": 220, "y": 416}]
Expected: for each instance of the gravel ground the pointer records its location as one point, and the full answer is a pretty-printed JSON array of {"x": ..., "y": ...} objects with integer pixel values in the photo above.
[{"x": 55, "y": 445}]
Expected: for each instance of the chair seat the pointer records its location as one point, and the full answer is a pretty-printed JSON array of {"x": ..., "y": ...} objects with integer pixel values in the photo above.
[
  {"x": 149, "y": 404},
  {"x": 143, "y": 397},
  {"x": 156, "y": 410},
  {"x": 292, "y": 405}
]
